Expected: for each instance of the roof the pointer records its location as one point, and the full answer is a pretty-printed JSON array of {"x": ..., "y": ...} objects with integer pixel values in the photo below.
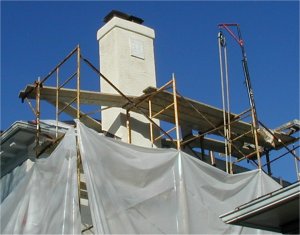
[
  {"x": 122, "y": 15},
  {"x": 277, "y": 211},
  {"x": 18, "y": 143}
]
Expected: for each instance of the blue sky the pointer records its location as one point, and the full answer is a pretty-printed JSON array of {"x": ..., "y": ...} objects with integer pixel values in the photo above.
[{"x": 35, "y": 36}]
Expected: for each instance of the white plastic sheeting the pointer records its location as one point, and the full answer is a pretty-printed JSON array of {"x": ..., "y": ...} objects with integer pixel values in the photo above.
[
  {"x": 46, "y": 200},
  {"x": 131, "y": 190},
  {"x": 140, "y": 190},
  {"x": 10, "y": 180}
]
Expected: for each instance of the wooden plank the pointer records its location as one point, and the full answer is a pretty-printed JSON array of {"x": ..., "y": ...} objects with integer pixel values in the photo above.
[
  {"x": 86, "y": 97},
  {"x": 187, "y": 114}
]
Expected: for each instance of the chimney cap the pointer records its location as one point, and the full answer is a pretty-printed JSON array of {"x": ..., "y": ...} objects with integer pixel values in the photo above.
[{"x": 122, "y": 15}]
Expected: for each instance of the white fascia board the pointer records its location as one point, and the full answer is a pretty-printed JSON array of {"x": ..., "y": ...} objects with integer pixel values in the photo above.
[{"x": 262, "y": 203}]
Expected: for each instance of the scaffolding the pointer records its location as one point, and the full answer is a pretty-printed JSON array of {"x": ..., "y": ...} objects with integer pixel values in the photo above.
[{"x": 242, "y": 140}]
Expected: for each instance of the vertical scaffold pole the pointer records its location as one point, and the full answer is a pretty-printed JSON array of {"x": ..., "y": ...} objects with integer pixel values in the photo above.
[
  {"x": 176, "y": 112},
  {"x": 78, "y": 117},
  {"x": 38, "y": 115},
  {"x": 228, "y": 134},
  {"x": 78, "y": 82},
  {"x": 128, "y": 126},
  {"x": 221, "y": 43},
  {"x": 151, "y": 124},
  {"x": 56, "y": 103}
]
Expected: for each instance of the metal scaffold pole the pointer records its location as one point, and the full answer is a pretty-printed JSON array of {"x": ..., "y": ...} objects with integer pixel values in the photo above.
[
  {"x": 78, "y": 82},
  {"x": 151, "y": 125},
  {"x": 38, "y": 115},
  {"x": 228, "y": 112},
  {"x": 56, "y": 103},
  {"x": 128, "y": 126},
  {"x": 221, "y": 44},
  {"x": 78, "y": 117},
  {"x": 176, "y": 112},
  {"x": 225, "y": 101}
]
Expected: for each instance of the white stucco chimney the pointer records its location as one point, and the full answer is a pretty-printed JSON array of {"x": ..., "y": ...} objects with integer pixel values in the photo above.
[{"x": 127, "y": 60}]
